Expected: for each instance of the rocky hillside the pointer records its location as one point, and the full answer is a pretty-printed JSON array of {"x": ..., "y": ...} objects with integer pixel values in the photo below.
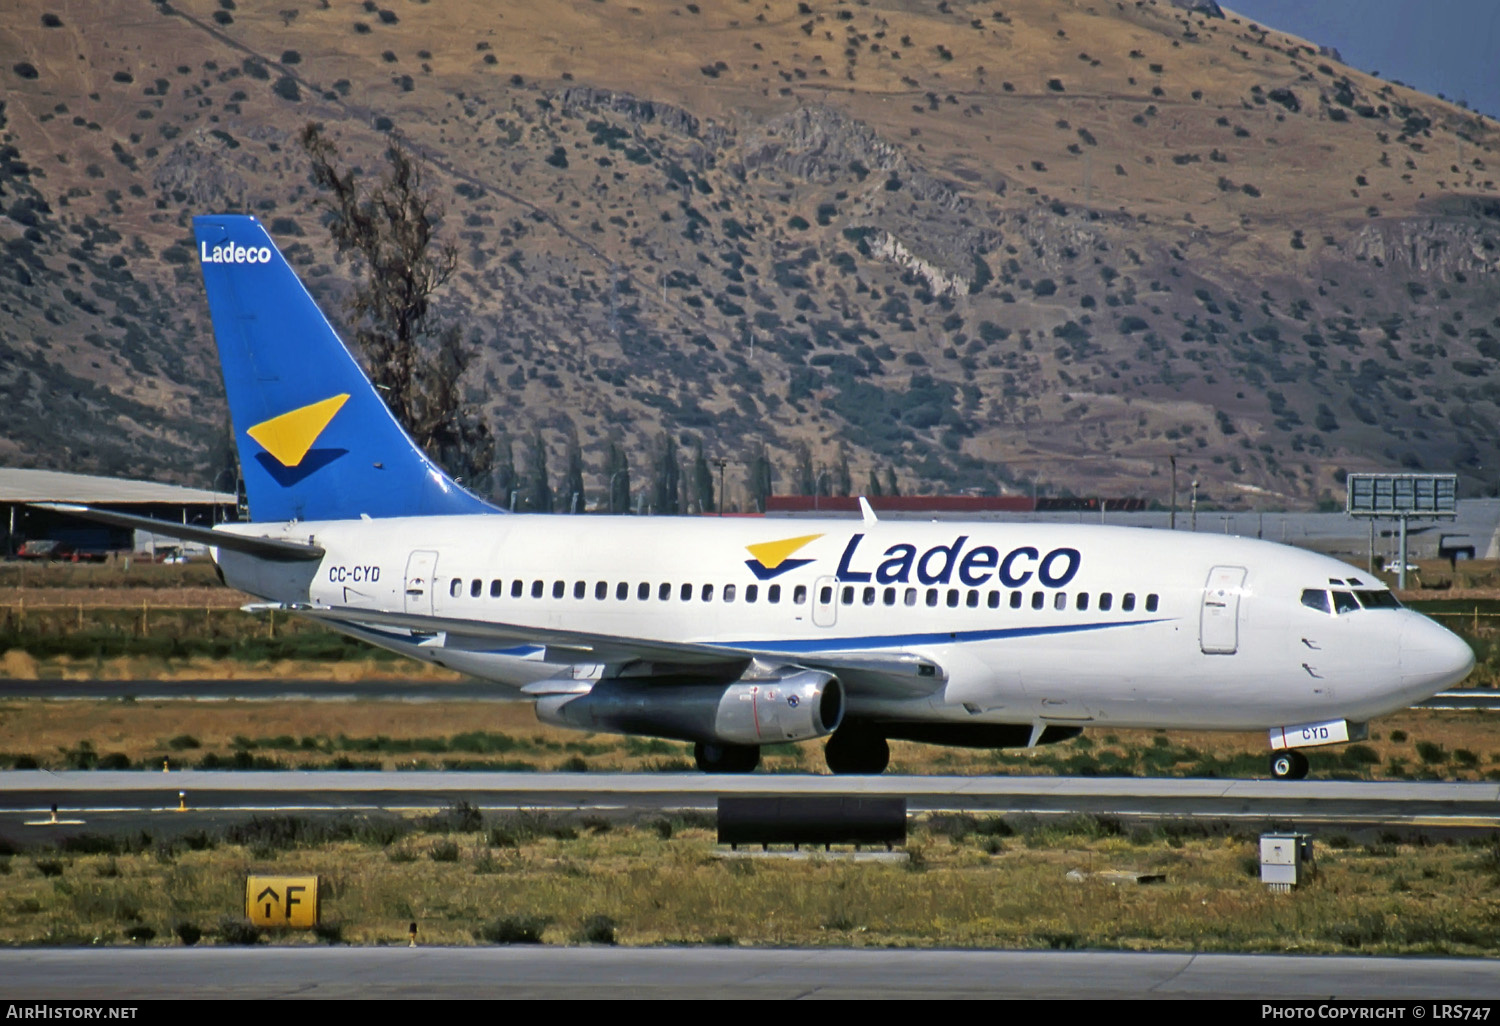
[{"x": 993, "y": 246}]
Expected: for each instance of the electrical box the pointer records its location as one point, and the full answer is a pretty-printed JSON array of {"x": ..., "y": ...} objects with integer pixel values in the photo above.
[{"x": 1286, "y": 860}]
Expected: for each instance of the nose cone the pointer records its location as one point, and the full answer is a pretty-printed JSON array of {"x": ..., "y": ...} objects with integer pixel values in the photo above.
[{"x": 1432, "y": 657}]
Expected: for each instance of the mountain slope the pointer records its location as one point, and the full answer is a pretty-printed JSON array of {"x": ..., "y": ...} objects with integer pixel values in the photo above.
[{"x": 1050, "y": 243}]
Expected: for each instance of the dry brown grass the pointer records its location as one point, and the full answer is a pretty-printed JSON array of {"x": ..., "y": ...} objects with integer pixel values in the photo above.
[
  {"x": 964, "y": 888},
  {"x": 404, "y": 735}
]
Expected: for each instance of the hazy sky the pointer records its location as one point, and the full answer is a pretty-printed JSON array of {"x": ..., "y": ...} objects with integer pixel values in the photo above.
[{"x": 1438, "y": 46}]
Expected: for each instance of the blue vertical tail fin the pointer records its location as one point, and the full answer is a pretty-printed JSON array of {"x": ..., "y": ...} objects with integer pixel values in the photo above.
[{"x": 316, "y": 442}]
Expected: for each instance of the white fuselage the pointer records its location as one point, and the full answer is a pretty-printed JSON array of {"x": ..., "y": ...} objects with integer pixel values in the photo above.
[{"x": 1032, "y": 623}]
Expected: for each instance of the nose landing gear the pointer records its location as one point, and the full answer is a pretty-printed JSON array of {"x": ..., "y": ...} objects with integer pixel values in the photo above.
[{"x": 1288, "y": 765}]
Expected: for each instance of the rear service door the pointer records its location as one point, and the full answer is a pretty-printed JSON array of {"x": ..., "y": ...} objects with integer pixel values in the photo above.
[
  {"x": 1219, "y": 625},
  {"x": 419, "y": 570}
]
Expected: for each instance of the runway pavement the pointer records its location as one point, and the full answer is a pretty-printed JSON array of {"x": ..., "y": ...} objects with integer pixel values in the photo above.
[
  {"x": 113, "y": 800},
  {"x": 613, "y": 973}
]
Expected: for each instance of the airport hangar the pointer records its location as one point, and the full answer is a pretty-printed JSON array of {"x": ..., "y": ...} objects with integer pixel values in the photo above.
[{"x": 21, "y": 522}]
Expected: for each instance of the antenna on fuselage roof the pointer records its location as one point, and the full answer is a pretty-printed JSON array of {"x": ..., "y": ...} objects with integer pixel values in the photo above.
[{"x": 866, "y": 511}]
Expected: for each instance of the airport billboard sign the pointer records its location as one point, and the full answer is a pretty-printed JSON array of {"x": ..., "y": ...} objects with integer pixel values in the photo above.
[{"x": 1402, "y": 495}]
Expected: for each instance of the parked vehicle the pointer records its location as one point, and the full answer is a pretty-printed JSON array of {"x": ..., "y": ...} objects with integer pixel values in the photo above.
[{"x": 58, "y": 552}]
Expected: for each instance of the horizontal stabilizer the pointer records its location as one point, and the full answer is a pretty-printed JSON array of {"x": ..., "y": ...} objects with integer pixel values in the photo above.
[{"x": 277, "y": 549}]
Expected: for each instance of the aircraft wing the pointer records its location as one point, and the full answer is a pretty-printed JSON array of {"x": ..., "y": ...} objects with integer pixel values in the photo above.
[
  {"x": 881, "y": 673},
  {"x": 278, "y": 549}
]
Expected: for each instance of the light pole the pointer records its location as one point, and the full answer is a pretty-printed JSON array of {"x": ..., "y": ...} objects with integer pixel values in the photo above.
[
  {"x": 721, "y": 462},
  {"x": 1195, "y": 505},
  {"x": 1173, "y": 523},
  {"x": 612, "y": 477}
]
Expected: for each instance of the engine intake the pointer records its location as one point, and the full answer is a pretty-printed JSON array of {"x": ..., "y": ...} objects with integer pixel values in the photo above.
[{"x": 799, "y": 706}]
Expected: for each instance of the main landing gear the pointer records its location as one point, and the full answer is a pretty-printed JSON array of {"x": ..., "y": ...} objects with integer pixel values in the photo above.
[
  {"x": 1288, "y": 765},
  {"x": 855, "y": 751},
  {"x": 714, "y": 757}
]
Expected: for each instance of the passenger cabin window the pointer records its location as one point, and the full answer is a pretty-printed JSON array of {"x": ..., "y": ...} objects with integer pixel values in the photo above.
[
  {"x": 1127, "y": 602},
  {"x": 536, "y": 589},
  {"x": 752, "y": 591},
  {"x": 1082, "y": 601},
  {"x": 994, "y": 600},
  {"x": 1315, "y": 598},
  {"x": 1015, "y": 600},
  {"x": 848, "y": 595},
  {"x": 687, "y": 592},
  {"x": 972, "y": 600},
  {"x": 643, "y": 591},
  {"x": 622, "y": 592},
  {"x": 707, "y": 594},
  {"x": 456, "y": 588},
  {"x": 910, "y": 598},
  {"x": 601, "y": 590},
  {"x": 1151, "y": 603},
  {"x": 496, "y": 587},
  {"x": 1038, "y": 600},
  {"x": 825, "y": 595},
  {"x": 1060, "y": 601},
  {"x": 476, "y": 588},
  {"x": 1106, "y": 602},
  {"x": 869, "y": 596},
  {"x": 952, "y": 598},
  {"x": 664, "y": 592},
  {"x": 728, "y": 593},
  {"x": 799, "y": 594},
  {"x": 579, "y": 589},
  {"x": 889, "y": 596},
  {"x": 773, "y": 594},
  {"x": 517, "y": 588}
]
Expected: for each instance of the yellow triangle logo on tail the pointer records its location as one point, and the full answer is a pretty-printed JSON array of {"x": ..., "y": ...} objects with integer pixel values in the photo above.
[{"x": 289, "y": 436}]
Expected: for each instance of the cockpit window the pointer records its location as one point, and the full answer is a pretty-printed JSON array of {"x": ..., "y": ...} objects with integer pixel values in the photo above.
[
  {"x": 1313, "y": 598},
  {"x": 1344, "y": 602},
  {"x": 1381, "y": 599}
]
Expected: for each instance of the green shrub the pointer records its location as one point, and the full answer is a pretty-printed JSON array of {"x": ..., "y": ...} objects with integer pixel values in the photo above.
[
  {"x": 513, "y": 930},
  {"x": 598, "y": 929},
  {"x": 238, "y": 930},
  {"x": 458, "y": 818}
]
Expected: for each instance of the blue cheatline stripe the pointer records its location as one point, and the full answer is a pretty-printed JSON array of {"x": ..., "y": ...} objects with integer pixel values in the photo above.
[{"x": 931, "y": 638}]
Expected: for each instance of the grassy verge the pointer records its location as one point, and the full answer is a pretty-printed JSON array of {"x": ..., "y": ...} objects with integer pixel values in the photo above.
[
  {"x": 389, "y": 735},
  {"x": 971, "y": 882}
]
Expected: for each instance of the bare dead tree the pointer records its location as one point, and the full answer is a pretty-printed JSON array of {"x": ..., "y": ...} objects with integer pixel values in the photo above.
[{"x": 391, "y": 225}]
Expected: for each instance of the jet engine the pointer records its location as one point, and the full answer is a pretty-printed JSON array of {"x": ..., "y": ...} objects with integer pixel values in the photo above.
[{"x": 797, "y": 706}]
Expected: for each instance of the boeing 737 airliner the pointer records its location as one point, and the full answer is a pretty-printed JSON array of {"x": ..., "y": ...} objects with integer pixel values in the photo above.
[{"x": 738, "y": 633}]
